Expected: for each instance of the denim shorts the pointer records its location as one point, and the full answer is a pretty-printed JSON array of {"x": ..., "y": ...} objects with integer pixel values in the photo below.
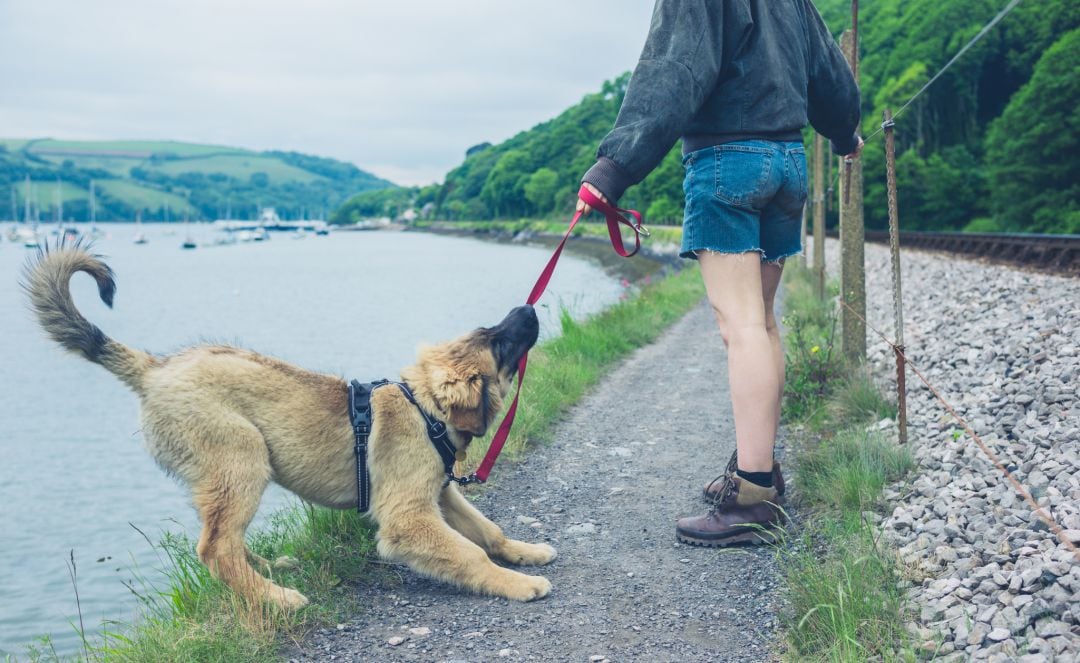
[{"x": 745, "y": 196}]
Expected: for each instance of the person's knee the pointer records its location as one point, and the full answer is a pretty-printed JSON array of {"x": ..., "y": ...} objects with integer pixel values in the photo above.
[
  {"x": 750, "y": 332},
  {"x": 770, "y": 325},
  {"x": 721, "y": 324}
]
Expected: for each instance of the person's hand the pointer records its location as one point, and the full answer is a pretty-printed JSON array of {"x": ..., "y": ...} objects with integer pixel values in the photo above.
[
  {"x": 584, "y": 208},
  {"x": 858, "y": 150}
]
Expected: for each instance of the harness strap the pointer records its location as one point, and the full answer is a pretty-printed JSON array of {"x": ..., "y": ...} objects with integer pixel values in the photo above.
[
  {"x": 360, "y": 417},
  {"x": 440, "y": 438}
]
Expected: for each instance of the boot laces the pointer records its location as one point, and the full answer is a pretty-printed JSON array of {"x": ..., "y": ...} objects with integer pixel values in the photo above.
[{"x": 727, "y": 486}]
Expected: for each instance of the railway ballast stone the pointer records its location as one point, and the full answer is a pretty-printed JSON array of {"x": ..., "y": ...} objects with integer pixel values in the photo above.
[{"x": 989, "y": 580}]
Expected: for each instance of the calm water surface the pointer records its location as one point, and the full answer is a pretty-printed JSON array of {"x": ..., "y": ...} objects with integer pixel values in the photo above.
[{"x": 73, "y": 474}]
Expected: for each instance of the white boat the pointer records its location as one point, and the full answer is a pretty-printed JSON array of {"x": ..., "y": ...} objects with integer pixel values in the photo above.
[
  {"x": 189, "y": 241},
  {"x": 140, "y": 236},
  {"x": 25, "y": 233},
  {"x": 28, "y": 237}
]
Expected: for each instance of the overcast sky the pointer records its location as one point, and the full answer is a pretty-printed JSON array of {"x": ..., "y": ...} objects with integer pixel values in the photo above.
[{"x": 400, "y": 88}]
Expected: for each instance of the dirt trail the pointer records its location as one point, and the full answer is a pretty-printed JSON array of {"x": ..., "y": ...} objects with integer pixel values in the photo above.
[{"x": 628, "y": 460}]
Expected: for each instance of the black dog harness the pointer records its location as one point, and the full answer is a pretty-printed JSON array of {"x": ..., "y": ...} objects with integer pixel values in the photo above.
[{"x": 360, "y": 417}]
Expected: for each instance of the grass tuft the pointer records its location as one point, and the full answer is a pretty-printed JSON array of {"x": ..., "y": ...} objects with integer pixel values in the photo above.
[
  {"x": 856, "y": 399},
  {"x": 195, "y": 617},
  {"x": 845, "y": 601}
]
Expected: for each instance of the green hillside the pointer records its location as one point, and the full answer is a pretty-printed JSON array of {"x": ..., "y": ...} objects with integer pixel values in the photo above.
[
  {"x": 994, "y": 144},
  {"x": 166, "y": 179}
]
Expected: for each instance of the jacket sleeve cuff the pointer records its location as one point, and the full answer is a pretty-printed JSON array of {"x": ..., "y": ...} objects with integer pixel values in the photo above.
[
  {"x": 606, "y": 176},
  {"x": 845, "y": 147}
]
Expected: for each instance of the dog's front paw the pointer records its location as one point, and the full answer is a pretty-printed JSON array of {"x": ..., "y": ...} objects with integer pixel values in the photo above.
[
  {"x": 287, "y": 599},
  {"x": 529, "y": 554},
  {"x": 529, "y": 588},
  {"x": 286, "y": 562}
]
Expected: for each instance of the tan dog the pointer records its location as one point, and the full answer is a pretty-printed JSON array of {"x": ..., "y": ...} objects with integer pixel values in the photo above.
[{"x": 228, "y": 421}]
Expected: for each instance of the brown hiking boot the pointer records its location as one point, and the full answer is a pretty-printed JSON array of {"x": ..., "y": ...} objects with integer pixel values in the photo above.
[
  {"x": 713, "y": 489},
  {"x": 743, "y": 513}
]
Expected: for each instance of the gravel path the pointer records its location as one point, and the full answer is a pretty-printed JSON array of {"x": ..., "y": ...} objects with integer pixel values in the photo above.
[
  {"x": 1003, "y": 346},
  {"x": 628, "y": 461}
]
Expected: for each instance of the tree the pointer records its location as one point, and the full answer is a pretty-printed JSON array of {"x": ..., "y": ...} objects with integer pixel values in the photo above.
[
  {"x": 504, "y": 189},
  {"x": 1032, "y": 149},
  {"x": 664, "y": 210},
  {"x": 540, "y": 189}
]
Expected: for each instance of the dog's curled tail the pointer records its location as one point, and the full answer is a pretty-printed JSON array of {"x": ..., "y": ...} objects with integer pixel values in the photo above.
[{"x": 46, "y": 280}]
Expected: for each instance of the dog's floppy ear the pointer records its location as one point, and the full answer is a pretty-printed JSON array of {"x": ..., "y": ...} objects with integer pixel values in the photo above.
[{"x": 462, "y": 394}]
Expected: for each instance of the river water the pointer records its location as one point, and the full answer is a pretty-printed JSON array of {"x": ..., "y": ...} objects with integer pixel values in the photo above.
[{"x": 74, "y": 478}]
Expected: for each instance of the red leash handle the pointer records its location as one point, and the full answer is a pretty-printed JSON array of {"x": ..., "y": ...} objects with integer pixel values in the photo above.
[{"x": 614, "y": 217}]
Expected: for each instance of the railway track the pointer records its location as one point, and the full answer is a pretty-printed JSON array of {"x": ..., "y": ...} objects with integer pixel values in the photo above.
[{"x": 1059, "y": 254}]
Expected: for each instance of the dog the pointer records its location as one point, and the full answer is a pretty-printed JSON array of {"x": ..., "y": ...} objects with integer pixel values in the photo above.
[{"x": 227, "y": 421}]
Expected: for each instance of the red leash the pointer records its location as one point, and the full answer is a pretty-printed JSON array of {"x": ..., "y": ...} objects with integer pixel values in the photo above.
[{"x": 614, "y": 217}]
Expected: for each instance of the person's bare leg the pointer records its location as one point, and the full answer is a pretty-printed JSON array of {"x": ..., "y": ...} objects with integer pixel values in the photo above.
[
  {"x": 771, "y": 272},
  {"x": 735, "y": 289}
]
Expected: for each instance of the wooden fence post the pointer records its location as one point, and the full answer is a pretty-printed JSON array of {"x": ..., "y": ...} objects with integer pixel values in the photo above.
[
  {"x": 898, "y": 298},
  {"x": 819, "y": 215},
  {"x": 852, "y": 237}
]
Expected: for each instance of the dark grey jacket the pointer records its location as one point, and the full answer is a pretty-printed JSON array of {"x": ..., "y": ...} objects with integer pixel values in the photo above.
[{"x": 715, "y": 71}]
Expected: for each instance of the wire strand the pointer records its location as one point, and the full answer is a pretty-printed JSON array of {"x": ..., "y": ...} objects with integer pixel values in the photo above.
[
  {"x": 1039, "y": 511},
  {"x": 986, "y": 28}
]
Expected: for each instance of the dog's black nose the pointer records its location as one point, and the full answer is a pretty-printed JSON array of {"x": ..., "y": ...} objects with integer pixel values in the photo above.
[{"x": 526, "y": 311}]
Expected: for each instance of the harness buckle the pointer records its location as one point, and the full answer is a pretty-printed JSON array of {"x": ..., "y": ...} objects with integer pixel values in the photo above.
[{"x": 438, "y": 428}]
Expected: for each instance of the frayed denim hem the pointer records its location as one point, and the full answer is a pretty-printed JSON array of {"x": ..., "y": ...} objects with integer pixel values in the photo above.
[
  {"x": 692, "y": 254},
  {"x": 781, "y": 259}
]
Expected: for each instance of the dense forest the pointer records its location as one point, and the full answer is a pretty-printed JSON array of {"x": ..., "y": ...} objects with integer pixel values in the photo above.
[
  {"x": 992, "y": 145},
  {"x": 168, "y": 181}
]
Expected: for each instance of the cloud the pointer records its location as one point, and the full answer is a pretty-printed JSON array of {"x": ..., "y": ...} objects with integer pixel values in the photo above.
[{"x": 400, "y": 88}]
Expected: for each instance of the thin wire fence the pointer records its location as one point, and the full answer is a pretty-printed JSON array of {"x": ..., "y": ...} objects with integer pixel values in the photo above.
[
  {"x": 897, "y": 345},
  {"x": 1038, "y": 509}
]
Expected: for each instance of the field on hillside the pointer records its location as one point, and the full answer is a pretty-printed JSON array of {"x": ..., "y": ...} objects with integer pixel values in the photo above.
[
  {"x": 140, "y": 147},
  {"x": 145, "y": 197},
  {"x": 241, "y": 166},
  {"x": 160, "y": 179}
]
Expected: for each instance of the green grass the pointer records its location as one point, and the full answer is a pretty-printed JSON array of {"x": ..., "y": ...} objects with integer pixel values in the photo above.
[
  {"x": 240, "y": 166},
  {"x": 843, "y": 600},
  {"x": 596, "y": 228},
  {"x": 12, "y": 144},
  {"x": 844, "y": 596},
  {"x": 43, "y": 195},
  {"x": 146, "y": 147},
  {"x": 115, "y": 165},
  {"x": 142, "y": 197},
  {"x": 813, "y": 364},
  {"x": 190, "y": 616}
]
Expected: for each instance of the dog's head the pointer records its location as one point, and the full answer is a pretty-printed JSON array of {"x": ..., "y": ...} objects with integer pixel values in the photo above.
[{"x": 467, "y": 378}]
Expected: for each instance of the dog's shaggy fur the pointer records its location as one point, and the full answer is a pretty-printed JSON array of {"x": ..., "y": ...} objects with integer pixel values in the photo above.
[{"x": 228, "y": 421}]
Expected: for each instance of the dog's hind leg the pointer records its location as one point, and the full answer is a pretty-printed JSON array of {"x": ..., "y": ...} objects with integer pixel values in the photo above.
[
  {"x": 474, "y": 526},
  {"x": 226, "y": 495},
  {"x": 422, "y": 539}
]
